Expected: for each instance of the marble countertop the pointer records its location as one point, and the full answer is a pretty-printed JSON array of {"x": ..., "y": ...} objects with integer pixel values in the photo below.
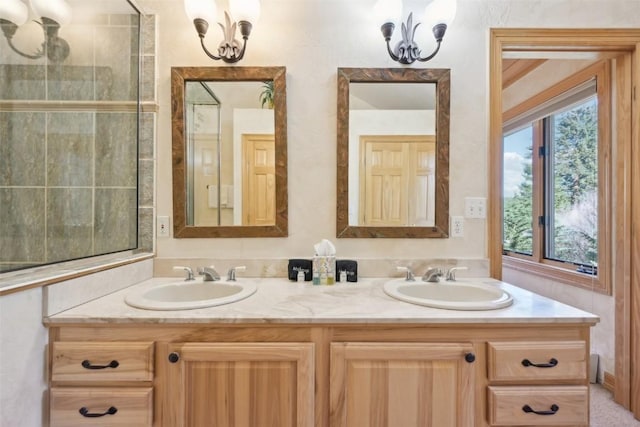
[{"x": 278, "y": 301}]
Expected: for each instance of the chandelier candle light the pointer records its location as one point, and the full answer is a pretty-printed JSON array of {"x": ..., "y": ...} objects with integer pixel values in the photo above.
[
  {"x": 438, "y": 14},
  {"x": 202, "y": 12}
]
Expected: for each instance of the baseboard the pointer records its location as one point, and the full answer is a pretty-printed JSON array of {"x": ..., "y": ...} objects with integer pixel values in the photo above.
[{"x": 609, "y": 382}]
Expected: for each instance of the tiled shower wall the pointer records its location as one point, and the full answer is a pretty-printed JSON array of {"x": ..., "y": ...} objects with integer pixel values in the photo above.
[{"x": 69, "y": 172}]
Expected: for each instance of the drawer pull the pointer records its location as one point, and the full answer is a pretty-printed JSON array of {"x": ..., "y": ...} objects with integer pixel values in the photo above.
[
  {"x": 553, "y": 362},
  {"x": 554, "y": 408},
  {"x": 85, "y": 412},
  {"x": 87, "y": 365}
]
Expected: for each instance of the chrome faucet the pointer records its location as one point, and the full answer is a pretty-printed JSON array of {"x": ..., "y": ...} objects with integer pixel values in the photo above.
[
  {"x": 209, "y": 274},
  {"x": 432, "y": 275},
  {"x": 231, "y": 274},
  {"x": 188, "y": 270},
  {"x": 451, "y": 273}
]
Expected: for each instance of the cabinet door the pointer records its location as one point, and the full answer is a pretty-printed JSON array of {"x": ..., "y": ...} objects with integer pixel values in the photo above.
[
  {"x": 402, "y": 384},
  {"x": 238, "y": 384}
]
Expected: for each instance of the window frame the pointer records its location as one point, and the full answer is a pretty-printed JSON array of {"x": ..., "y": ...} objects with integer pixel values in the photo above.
[{"x": 536, "y": 263}]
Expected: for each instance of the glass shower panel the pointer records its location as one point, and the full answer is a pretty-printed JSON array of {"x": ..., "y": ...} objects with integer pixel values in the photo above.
[{"x": 69, "y": 138}]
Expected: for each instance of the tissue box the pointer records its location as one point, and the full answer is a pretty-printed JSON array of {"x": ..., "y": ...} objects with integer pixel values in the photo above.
[
  {"x": 296, "y": 265},
  {"x": 349, "y": 267},
  {"x": 324, "y": 270}
]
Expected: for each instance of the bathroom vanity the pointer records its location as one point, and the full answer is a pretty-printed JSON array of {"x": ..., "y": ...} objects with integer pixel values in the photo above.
[{"x": 301, "y": 355}]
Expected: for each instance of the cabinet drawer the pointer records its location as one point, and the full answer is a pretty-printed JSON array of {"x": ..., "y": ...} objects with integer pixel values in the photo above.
[
  {"x": 557, "y": 406},
  {"x": 537, "y": 360},
  {"x": 102, "y": 361},
  {"x": 120, "y": 406}
]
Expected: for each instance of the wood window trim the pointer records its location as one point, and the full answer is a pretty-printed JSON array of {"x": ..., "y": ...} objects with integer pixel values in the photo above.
[
  {"x": 536, "y": 263},
  {"x": 624, "y": 45}
]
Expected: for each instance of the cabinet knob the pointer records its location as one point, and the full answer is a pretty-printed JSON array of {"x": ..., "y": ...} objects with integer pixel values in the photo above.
[
  {"x": 470, "y": 357},
  {"x": 174, "y": 357}
]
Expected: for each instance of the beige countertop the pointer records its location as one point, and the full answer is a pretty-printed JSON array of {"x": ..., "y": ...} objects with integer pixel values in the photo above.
[{"x": 278, "y": 301}]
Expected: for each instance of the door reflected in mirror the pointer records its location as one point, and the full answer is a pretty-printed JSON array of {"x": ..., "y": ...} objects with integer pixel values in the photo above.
[
  {"x": 229, "y": 152},
  {"x": 392, "y": 140},
  {"x": 393, "y": 152}
]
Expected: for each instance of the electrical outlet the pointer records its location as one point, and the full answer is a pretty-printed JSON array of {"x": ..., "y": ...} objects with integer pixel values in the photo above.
[
  {"x": 162, "y": 226},
  {"x": 457, "y": 226},
  {"x": 475, "y": 207}
]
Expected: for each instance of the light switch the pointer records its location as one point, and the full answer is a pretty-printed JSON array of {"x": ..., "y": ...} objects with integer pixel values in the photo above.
[{"x": 475, "y": 207}]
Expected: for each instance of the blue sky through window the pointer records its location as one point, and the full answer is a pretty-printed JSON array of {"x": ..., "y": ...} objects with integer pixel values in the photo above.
[{"x": 517, "y": 146}]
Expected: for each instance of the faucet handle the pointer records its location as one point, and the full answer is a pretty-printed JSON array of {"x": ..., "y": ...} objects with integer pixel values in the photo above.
[
  {"x": 188, "y": 270},
  {"x": 231, "y": 274},
  {"x": 409, "y": 276},
  {"x": 451, "y": 273}
]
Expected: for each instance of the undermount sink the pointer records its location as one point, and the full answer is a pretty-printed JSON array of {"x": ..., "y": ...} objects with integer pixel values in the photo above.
[
  {"x": 458, "y": 295},
  {"x": 186, "y": 295}
]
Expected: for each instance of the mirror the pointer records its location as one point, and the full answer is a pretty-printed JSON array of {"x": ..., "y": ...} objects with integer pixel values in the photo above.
[
  {"x": 393, "y": 153},
  {"x": 229, "y": 151}
]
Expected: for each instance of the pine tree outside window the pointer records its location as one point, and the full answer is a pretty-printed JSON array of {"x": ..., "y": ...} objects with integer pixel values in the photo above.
[{"x": 555, "y": 174}]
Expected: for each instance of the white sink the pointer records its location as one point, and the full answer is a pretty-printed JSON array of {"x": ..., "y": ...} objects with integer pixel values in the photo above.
[
  {"x": 458, "y": 295},
  {"x": 186, "y": 295}
]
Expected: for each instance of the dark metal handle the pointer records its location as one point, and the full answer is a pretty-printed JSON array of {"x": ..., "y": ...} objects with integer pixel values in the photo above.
[
  {"x": 87, "y": 365},
  {"x": 554, "y": 408},
  {"x": 470, "y": 357},
  {"x": 85, "y": 412},
  {"x": 552, "y": 362},
  {"x": 174, "y": 357}
]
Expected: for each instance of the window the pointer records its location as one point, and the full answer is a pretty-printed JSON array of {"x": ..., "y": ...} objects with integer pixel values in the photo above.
[{"x": 555, "y": 149}]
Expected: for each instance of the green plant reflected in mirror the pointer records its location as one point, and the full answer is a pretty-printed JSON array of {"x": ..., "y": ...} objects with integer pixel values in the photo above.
[{"x": 229, "y": 151}]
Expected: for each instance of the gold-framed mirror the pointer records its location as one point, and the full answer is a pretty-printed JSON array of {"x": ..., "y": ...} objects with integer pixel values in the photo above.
[
  {"x": 393, "y": 170},
  {"x": 229, "y": 151}
]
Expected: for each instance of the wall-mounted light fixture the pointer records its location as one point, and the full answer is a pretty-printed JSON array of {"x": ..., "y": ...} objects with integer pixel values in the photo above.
[
  {"x": 438, "y": 14},
  {"x": 53, "y": 13},
  {"x": 202, "y": 12}
]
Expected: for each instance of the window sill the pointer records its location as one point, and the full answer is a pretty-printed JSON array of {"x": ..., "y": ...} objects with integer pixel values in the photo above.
[
  {"x": 46, "y": 275},
  {"x": 572, "y": 278}
]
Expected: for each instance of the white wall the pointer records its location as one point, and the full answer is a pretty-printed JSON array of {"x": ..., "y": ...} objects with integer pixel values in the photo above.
[{"x": 23, "y": 344}]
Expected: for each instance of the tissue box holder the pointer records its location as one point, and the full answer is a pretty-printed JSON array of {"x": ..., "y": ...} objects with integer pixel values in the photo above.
[
  {"x": 324, "y": 269},
  {"x": 296, "y": 265}
]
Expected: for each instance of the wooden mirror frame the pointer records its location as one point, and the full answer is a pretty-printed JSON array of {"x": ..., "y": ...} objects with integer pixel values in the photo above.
[
  {"x": 180, "y": 75},
  {"x": 442, "y": 79}
]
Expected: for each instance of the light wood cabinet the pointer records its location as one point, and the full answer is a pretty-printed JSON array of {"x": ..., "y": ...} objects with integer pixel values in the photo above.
[
  {"x": 239, "y": 384},
  {"x": 402, "y": 384},
  {"x": 101, "y": 383},
  {"x": 320, "y": 375},
  {"x": 101, "y": 406},
  {"x": 531, "y": 383}
]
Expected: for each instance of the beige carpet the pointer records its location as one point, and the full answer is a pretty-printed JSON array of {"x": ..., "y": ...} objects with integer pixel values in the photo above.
[{"x": 606, "y": 413}]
